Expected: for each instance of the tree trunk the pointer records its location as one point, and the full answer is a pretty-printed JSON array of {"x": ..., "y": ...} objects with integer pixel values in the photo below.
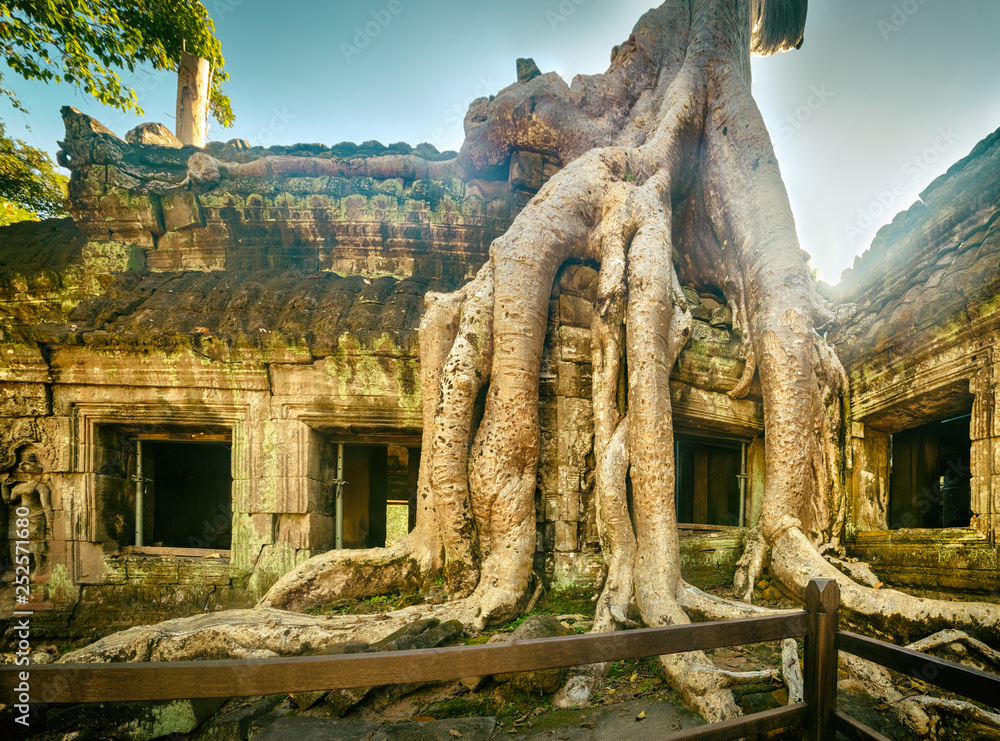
[{"x": 669, "y": 176}]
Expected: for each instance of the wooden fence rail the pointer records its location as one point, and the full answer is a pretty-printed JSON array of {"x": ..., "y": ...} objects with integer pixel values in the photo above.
[{"x": 817, "y": 715}]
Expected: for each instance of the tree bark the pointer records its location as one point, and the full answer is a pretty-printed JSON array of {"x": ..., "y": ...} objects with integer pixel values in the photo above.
[{"x": 669, "y": 176}]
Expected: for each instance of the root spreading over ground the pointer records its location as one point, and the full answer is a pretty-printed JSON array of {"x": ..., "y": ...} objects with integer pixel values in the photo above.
[{"x": 669, "y": 178}]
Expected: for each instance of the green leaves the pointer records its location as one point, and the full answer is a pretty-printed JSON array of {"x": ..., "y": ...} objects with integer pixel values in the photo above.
[
  {"x": 29, "y": 183},
  {"x": 86, "y": 43}
]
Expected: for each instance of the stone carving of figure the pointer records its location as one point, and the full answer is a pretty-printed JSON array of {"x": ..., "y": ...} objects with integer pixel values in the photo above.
[{"x": 26, "y": 489}]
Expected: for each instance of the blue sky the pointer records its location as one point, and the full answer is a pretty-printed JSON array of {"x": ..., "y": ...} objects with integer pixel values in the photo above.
[{"x": 883, "y": 96}]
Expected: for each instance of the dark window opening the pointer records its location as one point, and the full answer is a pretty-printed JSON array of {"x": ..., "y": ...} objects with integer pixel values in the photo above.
[
  {"x": 930, "y": 475},
  {"x": 163, "y": 485},
  {"x": 379, "y": 493},
  {"x": 708, "y": 480},
  {"x": 187, "y": 499}
]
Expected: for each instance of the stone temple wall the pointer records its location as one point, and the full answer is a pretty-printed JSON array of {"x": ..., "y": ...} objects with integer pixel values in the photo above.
[
  {"x": 274, "y": 315},
  {"x": 920, "y": 320},
  {"x": 273, "y": 311}
]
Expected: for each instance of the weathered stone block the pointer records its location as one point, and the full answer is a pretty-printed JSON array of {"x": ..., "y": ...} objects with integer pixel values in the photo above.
[
  {"x": 527, "y": 170},
  {"x": 569, "y": 479},
  {"x": 133, "y": 721},
  {"x": 118, "y": 179},
  {"x": 574, "y": 344},
  {"x": 252, "y": 529},
  {"x": 151, "y": 570},
  {"x": 579, "y": 280},
  {"x": 96, "y": 566},
  {"x": 551, "y": 508},
  {"x": 113, "y": 257},
  {"x": 153, "y": 134},
  {"x": 122, "y": 207},
  {"x": 181, "y": 211},
  {"x": 306, "y": 531},
  {"x": 576, "y": 430},
  {"x": 569, "y": 381},
  {"x": 88, "y": 181},
  {"x": 565, "y": 536},
  {"x": 300, "y": 495},
  {"x": 569, "y": 506},
  {"x": 721, "y": 317},
  {"x": 235, "y": 724},
  {"x": 203, "y": 571},
  {"x": 575, "y": 311},
  {"x": 23, "y": 399}
]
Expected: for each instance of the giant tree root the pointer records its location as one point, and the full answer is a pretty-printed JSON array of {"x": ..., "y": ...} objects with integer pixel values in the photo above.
[
  {"x": 926, "y": 714},
  {"x": 235, "y": 634},
  {"x": 669, "y": 178}
]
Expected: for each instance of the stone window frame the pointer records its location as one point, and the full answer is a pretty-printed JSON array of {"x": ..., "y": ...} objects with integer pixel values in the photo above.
[
  {"x": 88, "y": 418},
  {"x": 333, "y": 420},
  {"x": 212, "y": 438},
  {"x": 972, "y": 368}
]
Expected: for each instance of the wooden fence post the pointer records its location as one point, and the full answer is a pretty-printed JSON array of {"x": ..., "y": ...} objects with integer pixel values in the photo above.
[{"x": 822, "y": 603}]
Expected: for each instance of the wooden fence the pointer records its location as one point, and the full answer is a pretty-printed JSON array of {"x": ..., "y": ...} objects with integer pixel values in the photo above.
[{"x": 817, "y": 716}]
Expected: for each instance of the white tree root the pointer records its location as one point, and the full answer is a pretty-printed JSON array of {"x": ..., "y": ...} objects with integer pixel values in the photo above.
[
  {"x": 339, "y": 574},
  {"x": 883, "y": 613},
  {"x": 239, "y": 634},
  {"x": 672, "y": 124},
  {"x": 791, "y": 671},
  {"x": 924, "y": 713},
  {"x": 465, "y": 371},
  {"x": 957, "y": 645},
  {"x": 985, "y": 723}
]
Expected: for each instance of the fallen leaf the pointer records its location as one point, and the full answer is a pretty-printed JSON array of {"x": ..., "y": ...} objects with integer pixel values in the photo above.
[
  {"x": 456, "y": 734},
  {"x": 588, "y": 725},
  {"x": 200, "y": 330},
  {"x": 212, "y": 555},
  {"x": 641, "y": 716},
  {"x": 633, "y": 678}
]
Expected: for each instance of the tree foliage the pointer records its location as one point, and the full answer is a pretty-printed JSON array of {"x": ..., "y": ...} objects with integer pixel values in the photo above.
[
  {"x": 30, "y": 186},
  {"x": 87, "y": 43}
]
